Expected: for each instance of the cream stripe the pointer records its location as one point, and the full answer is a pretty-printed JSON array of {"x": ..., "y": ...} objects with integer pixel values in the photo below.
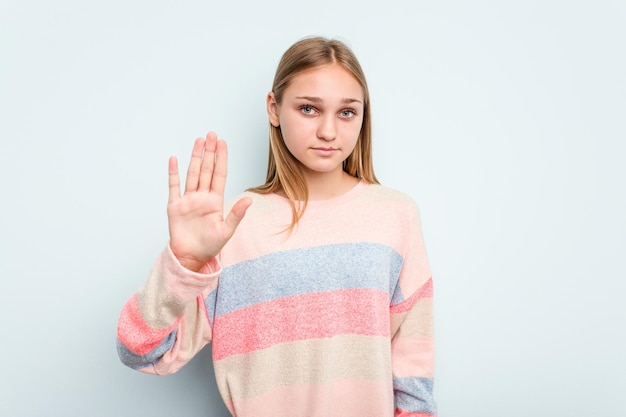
[
  {"x": 418, "y": 322},
  {"x": 306, "y": 362},
  {"x": 158, "y": 308}
]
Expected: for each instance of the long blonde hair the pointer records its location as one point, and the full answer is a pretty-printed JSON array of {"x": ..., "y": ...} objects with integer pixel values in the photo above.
[{"x": 283, "y": 169}]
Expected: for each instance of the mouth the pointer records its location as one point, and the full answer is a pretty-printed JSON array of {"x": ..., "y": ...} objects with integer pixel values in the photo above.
[{"x": 323, "y": 151}]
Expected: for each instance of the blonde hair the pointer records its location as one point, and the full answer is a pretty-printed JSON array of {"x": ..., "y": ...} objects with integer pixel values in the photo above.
[{"x": 283, "y": 169}]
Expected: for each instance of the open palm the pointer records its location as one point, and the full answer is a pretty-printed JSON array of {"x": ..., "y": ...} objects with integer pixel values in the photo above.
[{"x": 197, "y": 226}]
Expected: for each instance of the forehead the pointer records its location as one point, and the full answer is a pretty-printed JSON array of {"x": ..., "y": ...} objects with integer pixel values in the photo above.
[{"x": 326, "y": 82}]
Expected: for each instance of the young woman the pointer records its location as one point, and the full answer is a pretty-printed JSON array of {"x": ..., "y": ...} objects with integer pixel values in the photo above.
[{"x": 314, "y": 289}]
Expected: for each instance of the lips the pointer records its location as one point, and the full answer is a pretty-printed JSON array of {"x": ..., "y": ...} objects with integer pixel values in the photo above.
[{"x": 322, "y": 151}]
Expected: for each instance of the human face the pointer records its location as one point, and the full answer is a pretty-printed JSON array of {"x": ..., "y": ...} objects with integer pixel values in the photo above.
[{"x": 320, "y": 117}]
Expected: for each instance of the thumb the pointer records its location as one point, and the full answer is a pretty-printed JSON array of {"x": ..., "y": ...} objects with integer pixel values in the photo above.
[{"x": 236, "y": 213}]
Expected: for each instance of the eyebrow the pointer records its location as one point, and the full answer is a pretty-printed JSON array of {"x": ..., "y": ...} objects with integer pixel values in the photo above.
[{"x": 319, "y": 100}]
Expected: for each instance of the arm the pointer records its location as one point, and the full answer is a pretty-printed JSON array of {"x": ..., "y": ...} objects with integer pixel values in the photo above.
[
  {"x": 413, "y": 350},
  {"x": 165, "y": 323}
]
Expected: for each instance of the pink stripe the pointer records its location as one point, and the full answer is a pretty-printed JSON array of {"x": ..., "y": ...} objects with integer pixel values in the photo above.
[
  {"x": 307, "y": 316},
  {"x": 425, "y": 291},
  {"x": 342, "y": 397},
  {"x": 413, "y": 357},
  {"x": 135, "y": 333},
  {"x": 402, "y": 413}
]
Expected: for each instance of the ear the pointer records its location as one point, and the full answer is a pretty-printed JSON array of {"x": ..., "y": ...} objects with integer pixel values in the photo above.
[{"x": 272, "y": 109}]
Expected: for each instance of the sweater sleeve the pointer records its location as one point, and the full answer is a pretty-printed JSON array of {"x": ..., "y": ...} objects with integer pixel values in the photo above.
[
  {"x": 165, "y": 323},
  {"x": 412, "y": 344}
]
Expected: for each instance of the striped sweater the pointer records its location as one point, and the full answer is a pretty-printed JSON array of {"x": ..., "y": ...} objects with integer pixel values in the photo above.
[{"x": 334, "y": 319}]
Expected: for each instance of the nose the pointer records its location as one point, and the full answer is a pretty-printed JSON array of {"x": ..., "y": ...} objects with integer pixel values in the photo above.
[{"x": 327, "y": 130}]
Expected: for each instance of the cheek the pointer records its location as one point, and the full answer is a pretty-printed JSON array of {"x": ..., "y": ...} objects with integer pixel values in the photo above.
[
  {"x": 295, "y": 128},
  {"x": 352, "y": 131},
  {"x": 292, "y": 135}
]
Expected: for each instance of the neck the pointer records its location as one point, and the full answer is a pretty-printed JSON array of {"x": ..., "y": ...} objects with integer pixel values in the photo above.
[{"x": 323, "y": 186}]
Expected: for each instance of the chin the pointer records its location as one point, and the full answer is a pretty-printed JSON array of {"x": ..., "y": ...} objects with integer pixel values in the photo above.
[{"x": 324, "y": 169}]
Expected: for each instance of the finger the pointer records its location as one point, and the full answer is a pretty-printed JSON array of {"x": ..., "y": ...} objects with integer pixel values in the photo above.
[
  {"x": 218, "y": 182},
  {"x": 193, "y": 172},
  {"x": 174, "y": 180},
  {"x": 237, "y": 213},
  {"x": 208, "y": 162}
]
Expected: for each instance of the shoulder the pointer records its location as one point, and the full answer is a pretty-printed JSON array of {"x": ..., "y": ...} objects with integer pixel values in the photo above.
[
  {"x": 390, "y": 198},
  {"x": 264, "y": 206},
  {"x": 259, "y": 201}
]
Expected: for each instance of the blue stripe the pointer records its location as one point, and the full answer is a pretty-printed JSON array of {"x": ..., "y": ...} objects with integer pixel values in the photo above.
[
  {"x": 134, "y": 361},
  {"x": 307, "y": 270},
  {"x": 415, "y": 394},
  {"x": 209, "y": 303},
  {"x": 397, "y": 295}
]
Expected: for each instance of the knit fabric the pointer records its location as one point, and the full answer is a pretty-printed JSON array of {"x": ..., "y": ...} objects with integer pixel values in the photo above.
[{"x": 334, "y": 319}]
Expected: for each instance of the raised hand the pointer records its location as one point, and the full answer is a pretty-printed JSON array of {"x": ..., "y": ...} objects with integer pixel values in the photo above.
[{"x": 197, "y": 226}]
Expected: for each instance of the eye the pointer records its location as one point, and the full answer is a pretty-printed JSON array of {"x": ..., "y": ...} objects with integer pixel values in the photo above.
[
  {"x": 307, "y": 109},
  {"x": 347, "y": 113}
]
